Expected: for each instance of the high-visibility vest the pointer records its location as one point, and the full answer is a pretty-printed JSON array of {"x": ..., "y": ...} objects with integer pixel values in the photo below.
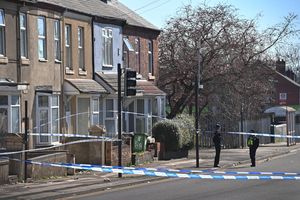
[{"x": 250, "y": 141}]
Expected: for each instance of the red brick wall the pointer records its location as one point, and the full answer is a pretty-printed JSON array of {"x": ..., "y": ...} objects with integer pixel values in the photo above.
[
  {"x": 292, "y": 90},
  {"x": 144, "y": 36}
]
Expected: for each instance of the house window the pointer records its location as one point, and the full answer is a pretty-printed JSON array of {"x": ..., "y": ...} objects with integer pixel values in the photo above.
[
  {"x": 150, "y": 57},
  {"x": 57, "y": 40},
  {"x": 95, "y": 111},
  {"x": 282, "y": 96},
  {"x": 68, "y": 46},
  {"x": 9, "y": 114},
  {"x": 2, "y": 33},
  {"x": 83, "y": 115},
  {"x": 107, "y": 35},
  {"x": 155, "y": 117},
  {"x": 140, "y": 117},
  {"x": 81, "y": 48},
  {"x": 137, "y": 54},
  {"x": 23, "y": 35},
  {"x": 42, "y": 38},
  {"x": 109, "y": 116},
  {"x": 47, "y": 117}
]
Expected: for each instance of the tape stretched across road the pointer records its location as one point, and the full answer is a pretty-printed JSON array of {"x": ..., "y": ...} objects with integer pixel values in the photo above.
[
  {"x": 186, "y": 170},
  {"x": 266, "y": 135},
  {"x": 163, "y": 174}
]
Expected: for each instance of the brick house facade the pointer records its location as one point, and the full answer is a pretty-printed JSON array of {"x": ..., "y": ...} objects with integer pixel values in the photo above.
[{"x": 287, "y": 90}]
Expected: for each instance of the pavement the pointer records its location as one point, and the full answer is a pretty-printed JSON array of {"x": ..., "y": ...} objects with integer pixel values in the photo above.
[{"x": 87, "y": 182}]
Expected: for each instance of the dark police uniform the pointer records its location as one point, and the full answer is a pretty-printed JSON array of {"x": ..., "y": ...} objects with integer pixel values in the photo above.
[
  {"x": 253, "y": 143},
  {"x": 217, "y": 142}
]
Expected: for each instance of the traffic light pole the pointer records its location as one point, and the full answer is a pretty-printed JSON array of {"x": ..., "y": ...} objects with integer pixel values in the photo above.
[{"x": 119, "y": 119}]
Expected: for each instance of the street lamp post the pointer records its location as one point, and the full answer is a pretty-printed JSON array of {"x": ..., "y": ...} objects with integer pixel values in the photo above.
[{"x": 197, "y": 87}]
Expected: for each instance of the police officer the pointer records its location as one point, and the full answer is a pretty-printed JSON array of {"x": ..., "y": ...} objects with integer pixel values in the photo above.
[
  {"x": 253, "y": 143},
  {"x": 217, "y": 142}
]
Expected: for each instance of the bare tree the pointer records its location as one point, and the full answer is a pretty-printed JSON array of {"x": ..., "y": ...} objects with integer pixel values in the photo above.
[{"x": 234, "y": 67}]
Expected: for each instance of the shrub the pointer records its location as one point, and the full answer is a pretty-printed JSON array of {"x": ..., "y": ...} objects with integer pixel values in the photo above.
[
  {"x": 167, "y": 132},
  {"x": 186, "y": 125}
]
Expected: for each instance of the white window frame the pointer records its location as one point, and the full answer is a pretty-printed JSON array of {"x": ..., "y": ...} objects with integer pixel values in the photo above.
[
  {"x": 23, "y": 35},
  {"x": 9, "y": 108},
  {"x": 150, "y": 56},
  {"x": 107, "y": 35},
  {"x": 43, "y": 38},
  {"x": 282, "y": 96},
  {"x": 138, "y": 52},
  {"x": 95, "y": 112},
  {"x": 81, "y": 52},
  {"x": 2, "y": 33},
  {"x": 113, "y": 118},
  {"x": 68, "y": 46},
  {"x": 49, "y": 108},
  {"x": 57, "y": 40}
]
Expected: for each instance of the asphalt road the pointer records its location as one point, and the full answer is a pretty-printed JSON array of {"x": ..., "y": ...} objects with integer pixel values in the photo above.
[{"x": 188, "y": 189}]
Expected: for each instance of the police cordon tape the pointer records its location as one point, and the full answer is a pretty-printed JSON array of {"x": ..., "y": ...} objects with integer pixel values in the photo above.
[
  {"x": 266, "y": 135},
  {"x": 209, "y": 171},
  {"x": 161, "y": 174},
  {"x": 70, "y": 135},
  {"x": 58, "y": 145}
]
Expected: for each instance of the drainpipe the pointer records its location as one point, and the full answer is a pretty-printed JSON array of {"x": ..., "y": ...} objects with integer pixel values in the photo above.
[{"x": 93, "y": 50}]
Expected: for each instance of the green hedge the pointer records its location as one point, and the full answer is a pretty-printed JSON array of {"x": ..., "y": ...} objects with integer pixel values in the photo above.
[
  {"x": 186, "y": 124},
  {"x": 176, "y": 134}
]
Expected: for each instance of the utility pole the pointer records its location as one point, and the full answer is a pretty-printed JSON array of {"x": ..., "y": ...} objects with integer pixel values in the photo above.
[
  {"x": 26, "y": 141},
  {"x": 197, "y": 83},
  {"x": 119, "y": 119}
]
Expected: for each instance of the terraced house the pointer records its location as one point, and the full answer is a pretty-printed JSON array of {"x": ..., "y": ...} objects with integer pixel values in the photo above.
[{"x": 61, "y": 57}]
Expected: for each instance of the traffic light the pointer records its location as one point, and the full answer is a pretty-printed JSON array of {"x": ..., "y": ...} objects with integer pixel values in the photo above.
[{"x": 130, "y": 82}]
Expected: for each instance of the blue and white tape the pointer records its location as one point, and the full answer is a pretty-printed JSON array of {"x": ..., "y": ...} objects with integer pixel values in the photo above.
[
  {"x": 266, "y": 135},
  {"x": 164, "y": 174},
  {"x": 185, "y": 170}
]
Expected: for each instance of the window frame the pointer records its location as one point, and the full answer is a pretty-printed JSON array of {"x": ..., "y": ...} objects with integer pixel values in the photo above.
[
  {"x": 57, "y": 40},
  {"x": 112, "y": 118},
  {"x": 107, "y": 35},
  {"x": 81, "y": 49},
  {"x": 137, "y": 42},
  {"x": 50, "y": 107},
  {"x": 150, "y": 57},
  {"x": 42, "y": 38},
  {"x": 23, "y": 30},
  {"x": 2, "y": 39},
  {"x": 68, "y": 46},
  {"x": 9, "y": 107}
]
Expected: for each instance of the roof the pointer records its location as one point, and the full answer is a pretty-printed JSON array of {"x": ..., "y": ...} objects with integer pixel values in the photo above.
[
  {"x": 113, "y": 9},
  {"x": 144, "y": 87},
  {"x": 86, "y": 85},
  {"x": 280, "y": 110},
  {"x": 149, "y": 88},
  {"x": 288, "y": 79}
]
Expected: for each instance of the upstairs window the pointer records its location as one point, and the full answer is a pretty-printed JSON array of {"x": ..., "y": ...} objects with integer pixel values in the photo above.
[
  {"x": 68, "y": 46},
  {"x": 57, "y": 40},
  {"x": 81, "y": 48},
  {"x": 42, "y": 38},
  {"x": 23, "y": 35},
  {"x": 137, "y": 53},
  {"x": 150, "y": 56},
  {"x": 107, "y": 35},
  {"x": 2, "y": 33}
]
